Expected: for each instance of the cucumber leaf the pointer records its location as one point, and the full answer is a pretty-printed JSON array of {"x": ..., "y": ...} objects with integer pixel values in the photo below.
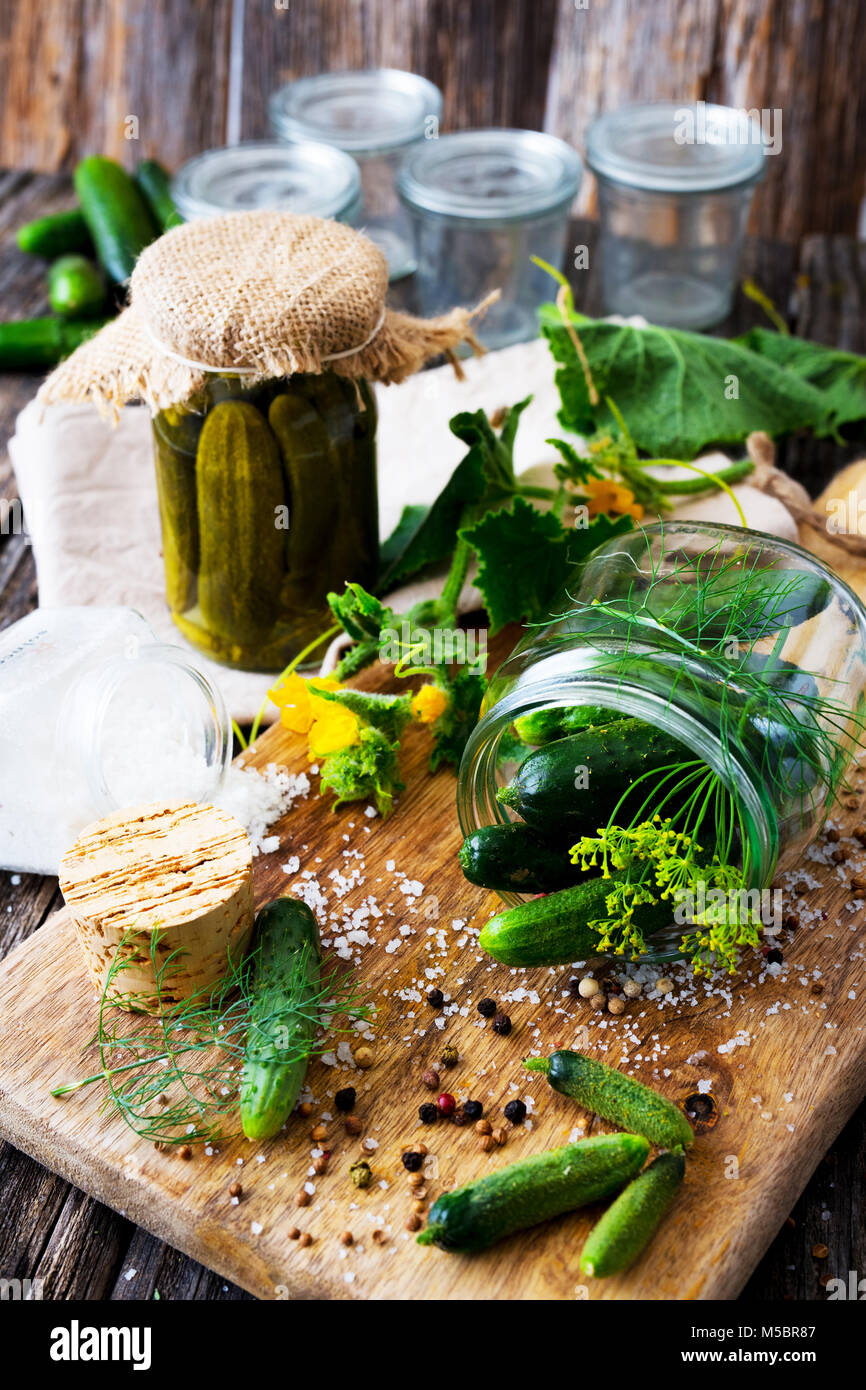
[
  {"x": 526, "y": 556},
  {"x": 678, "y": 391},
  {"x": 411, "y": 517},
  {"x": 840, "y": 376},
  {"x": 360, "y": 613},
  {"x": 483, "y": 476}
]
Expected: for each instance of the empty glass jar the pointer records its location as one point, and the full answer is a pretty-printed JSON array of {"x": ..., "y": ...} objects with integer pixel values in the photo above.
[
  {"x": 303, "y": 178},
  {"x": 376, "y": 116},
  {"x": 483, "y": 203},
  {"x": 675, "y": 185},
  {"x": 95, "y": 714}
]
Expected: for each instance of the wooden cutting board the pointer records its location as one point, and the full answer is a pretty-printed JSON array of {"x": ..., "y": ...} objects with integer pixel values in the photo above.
[{"x": 784, "y": 1064}]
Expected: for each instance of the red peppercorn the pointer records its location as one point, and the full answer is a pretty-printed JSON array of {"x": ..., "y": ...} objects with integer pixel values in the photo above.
[{"x": 446, "y": 1103}]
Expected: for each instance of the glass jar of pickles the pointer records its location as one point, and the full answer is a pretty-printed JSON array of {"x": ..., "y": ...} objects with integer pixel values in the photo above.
[
  {"x": 267, "y": 500},
  {"x": 253, "y": 338}
]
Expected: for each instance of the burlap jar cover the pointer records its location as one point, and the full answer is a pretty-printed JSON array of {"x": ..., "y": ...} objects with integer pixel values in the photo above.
[{"x": 265, "y": 294}]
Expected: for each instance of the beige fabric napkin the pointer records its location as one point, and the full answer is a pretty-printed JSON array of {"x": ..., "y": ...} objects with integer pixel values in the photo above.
[{"x": 89, "y": 493}]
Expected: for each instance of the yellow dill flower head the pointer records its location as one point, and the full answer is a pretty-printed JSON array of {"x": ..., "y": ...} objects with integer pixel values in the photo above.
[{"x": 429, "y": 702}]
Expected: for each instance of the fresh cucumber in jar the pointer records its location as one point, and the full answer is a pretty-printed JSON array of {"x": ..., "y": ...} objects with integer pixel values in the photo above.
[
  {"x": 547, "y": 725},
  {"x": 615, "y": 1097},
  {"x": 514, "y": 858},
  {"x": 632, "y": 1219},
  {"x": 573, "y": 785},
  {"x": 116, "y": 213},
  {"x": 55, "y": 235},
  {"x": 555, "y": 930},
  {"x": 524, "y": 1194},
  {"x": 285, "y": 986},
  {"x": 76, "y": 287}
]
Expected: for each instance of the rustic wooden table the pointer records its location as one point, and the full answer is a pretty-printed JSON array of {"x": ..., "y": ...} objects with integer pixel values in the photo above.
[{"x": 81, "y": 1249}]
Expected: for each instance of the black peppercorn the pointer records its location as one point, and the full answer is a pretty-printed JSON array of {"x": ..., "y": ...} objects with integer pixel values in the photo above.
[
  {"x": 459, "y": 1117},
  {"x": 436, "y": 998},
  {"x": 487, "y": 1008},
  {"x": 774, "y": 957},
  {"x": 574, "y": 986},
  {"x": 427, "y": 1114},
  {"x": 473, "y": 1109},
  {"x": 515, "y": 1111},
  {"x": 412, "y": 1161},
  {"x": 502, "y": 1025},
  {"x": 345, "y": 1099}
]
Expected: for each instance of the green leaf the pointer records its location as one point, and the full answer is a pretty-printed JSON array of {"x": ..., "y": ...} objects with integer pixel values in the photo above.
[
  {"x": 434, "y": 538},
  {"x": 368, "y": 771},
  {"x": 391, "y": 549},
  {"x": 388, "y": 713},
  {"x": 574, "y": 468},
  {"x": 484, "y": 476},
  {"x": 525, "y": 558},
  {"x": 454, "y": 725},
  {"x": 840, "y": 376},
  {"x": 678, "y": 391},
  {"x": 361, "y": 614},
  {"x": 522, "y": 561}
]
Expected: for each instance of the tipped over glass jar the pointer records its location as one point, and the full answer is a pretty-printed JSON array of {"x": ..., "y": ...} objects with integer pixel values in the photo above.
[{"x": 683, "y": 728}]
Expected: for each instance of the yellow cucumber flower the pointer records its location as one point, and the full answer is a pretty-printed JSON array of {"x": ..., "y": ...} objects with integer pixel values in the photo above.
[
  {"x": 614, "y": 499},
  {"x": 328, "y": 726},
  {"x": 429, "y": 702}
]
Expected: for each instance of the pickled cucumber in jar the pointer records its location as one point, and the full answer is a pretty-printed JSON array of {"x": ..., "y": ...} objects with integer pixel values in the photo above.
[{"x": 267, "y": 495}]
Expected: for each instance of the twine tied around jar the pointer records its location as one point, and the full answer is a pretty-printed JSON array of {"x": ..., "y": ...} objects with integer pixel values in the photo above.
[{"x": 258, "y": 294}]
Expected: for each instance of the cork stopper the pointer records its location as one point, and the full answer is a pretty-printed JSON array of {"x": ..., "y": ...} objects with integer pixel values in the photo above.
[{"x": 153, "y": 880}]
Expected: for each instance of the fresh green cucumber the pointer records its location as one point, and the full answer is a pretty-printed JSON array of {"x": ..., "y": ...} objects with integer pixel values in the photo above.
[
  {"x": 516, "y": 859},
  {"x": 116, "y": 213},
  {"x": 55, "y": 235},
  {"x": 555, "y": 930},
  {"x": 76, "y": 288},
  {"x": 740, "y": 603},
  {"x": 632, "y": 1219},
  {"x": 615, "y": 1097},
  {"x": 31, "y": 345},
  {"x": 572, "y": 786},
  {"x": 547, "y": 725},
  {"x": 155, "y": 183},
  {"x": 285, "y": 985},
  {"x": 536, "y": 1189}
]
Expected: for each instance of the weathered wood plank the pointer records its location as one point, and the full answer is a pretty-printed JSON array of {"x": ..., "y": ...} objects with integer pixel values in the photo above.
[
  {"x": 127, "y": 78},
  {"x": 490, "y": 59}
]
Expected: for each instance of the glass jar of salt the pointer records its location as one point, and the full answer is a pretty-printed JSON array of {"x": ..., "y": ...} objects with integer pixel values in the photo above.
[{"x": 96, "y": 714}]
